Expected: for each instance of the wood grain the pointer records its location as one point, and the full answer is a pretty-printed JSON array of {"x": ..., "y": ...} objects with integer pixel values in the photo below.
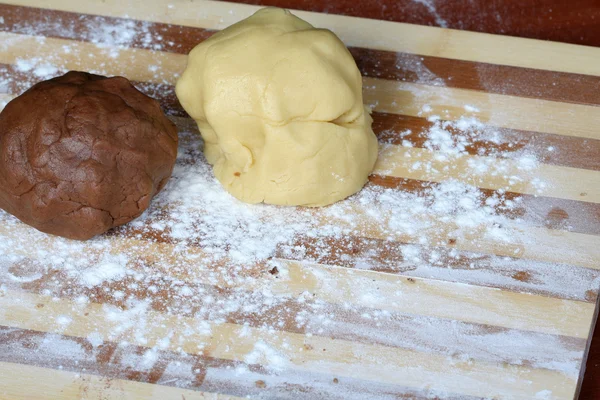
[
  {"x": 357, "y": 32},
  {"x": 56, "y": 383},
  {"x": 548, "y": 148},
  {"x": 522, "y": 82},
  {"x": 497, "y": 110},
  {"x": 28, "y": 347},
  {"x": 374, "y": 363},
  {"x": 386, "y": 96},
  {"x": 518, "y": 299},
  {"x": 556, "y": 20},
  {"x": 571, "y": 184},
  {"x": 395, "y": 129}
]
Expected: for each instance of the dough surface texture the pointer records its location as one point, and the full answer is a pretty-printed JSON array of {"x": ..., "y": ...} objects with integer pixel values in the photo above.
[
  {"x": 82, "y": 153},
  {"x": 279, "y": 106}
]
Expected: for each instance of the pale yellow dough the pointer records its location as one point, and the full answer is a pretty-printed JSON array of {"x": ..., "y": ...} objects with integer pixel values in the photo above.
[{"x": 279, "y": 105}]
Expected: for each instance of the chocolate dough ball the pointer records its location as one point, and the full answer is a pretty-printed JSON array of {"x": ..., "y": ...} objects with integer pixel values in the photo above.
[{"x": 81, "y": 154}]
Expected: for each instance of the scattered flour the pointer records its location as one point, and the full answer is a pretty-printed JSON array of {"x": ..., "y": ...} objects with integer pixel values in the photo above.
[
  {"x": 544, "y": 395},
  {"x": 266, "y": 355},
  {"x": 430, "y": 6},
  {"x": 470, "y": 108},
  {"x": 221, "y": 246},
  {"x": 218, "y": 248},
  {"x": 108, "y": 268}
]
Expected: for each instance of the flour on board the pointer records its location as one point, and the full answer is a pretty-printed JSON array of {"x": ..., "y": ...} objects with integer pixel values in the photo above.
[{"x": 205, "y": 260}]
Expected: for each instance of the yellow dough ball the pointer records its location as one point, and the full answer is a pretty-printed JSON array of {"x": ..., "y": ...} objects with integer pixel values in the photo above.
[{"x": 279, "y": 105}]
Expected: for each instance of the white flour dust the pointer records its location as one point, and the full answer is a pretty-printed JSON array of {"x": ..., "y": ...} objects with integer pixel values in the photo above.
[
  {"x": 431, "y": 7},
  {"x": 199, "y": 261}
]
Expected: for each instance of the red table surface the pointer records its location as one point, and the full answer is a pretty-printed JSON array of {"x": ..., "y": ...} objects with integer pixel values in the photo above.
[{"x": 570, "y": 21}]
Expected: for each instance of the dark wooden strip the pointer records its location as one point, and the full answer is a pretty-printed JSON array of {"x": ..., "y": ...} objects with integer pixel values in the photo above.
[
  {"x": 492, "y": 141},
  {"x": 440, "y": 261},
  {"x": 392, "y": 128},
  {"x": 112, "y": 360},
  {"x": 92, "y": 28},
  {"x": 557, "y": 20},
  {"x": 344, "y": 322},
  {"x": 445, "y": 263},
  {"x": 538, "y": 211},
  {"x": 31, "y": 347},
  {"x": 514, "y": 81},
  {"x": 552, "y": 213}
]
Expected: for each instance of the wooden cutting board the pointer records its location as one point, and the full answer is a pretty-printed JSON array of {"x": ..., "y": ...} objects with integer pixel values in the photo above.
[{"x": 468, "y": 267}]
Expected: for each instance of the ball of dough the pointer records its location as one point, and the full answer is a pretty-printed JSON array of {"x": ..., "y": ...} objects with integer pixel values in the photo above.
[
  {"x": 81, "y": 153},
  {"x": 279, "y": 105}
]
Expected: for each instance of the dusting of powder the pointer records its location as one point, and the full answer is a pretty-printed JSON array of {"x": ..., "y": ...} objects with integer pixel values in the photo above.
[
  {"x": 205, "y": 259},
  {"x": 430, "y": 6}
]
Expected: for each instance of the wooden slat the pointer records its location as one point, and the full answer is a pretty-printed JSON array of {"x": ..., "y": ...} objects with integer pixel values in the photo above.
[
  {"x": 530, "y": 210},
  {"x": 554, "y": 181},
  {"x": 85, "y": 56},
  {"x": 20, "y": 381},
  {"x": 446, "y": 264},
  {"x": 344, "y": 321},
  {"x": 487, "y": 140},
  {"x": 556, "y": 20},
  {"x": 439, "y": 299},
  {"x": 524, "y": 82},
  {"x": 185, "y": 371},
  {"x": 552, "y": 149},
  {"x": 494, "y": 109},
  {"x": 346, "y": 359},
  {"x": 68, "y": 25},
  {"x": 386, "y": 96},
  {"x": 532, "y": 243},
  {"x": 373, "y": 34},
  {"x": 501, "y": 79},
  {"x": 432, "y": 298}
]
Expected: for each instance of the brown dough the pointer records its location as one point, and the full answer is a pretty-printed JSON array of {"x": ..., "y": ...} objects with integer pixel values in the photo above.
[{"x": 81, "y": 154}]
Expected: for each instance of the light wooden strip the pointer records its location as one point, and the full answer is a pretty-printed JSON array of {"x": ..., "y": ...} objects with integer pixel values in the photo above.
[
  {"x": 430, "y": 297},
  {"x": 501, "y": 174},
  {"x": 135, "y": 64},
  {"x": 541, "y": 180},
  {"x": 26, "y": 382},
  {"x": 344, "y": 321},
  {"x": 540, "y": 244},
  {"x": 447, "y": 264},
  {"x": 387, "y": 96},
  {"x": 494, "y": 109},
  {"x": 559, "y": 181},
  {"x": 439, "y": 299},
  {"x": 341, "y": 358},
  {"x": 214, "y": 375},
  {"x": 556, "y": 181},
  {"x": 373, "y": 34}
]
